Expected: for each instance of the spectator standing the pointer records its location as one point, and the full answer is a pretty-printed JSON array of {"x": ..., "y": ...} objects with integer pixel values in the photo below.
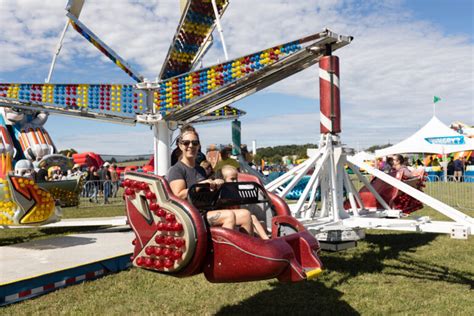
[
  {"x": 458, "y": 169},
  {"x": 115, "y": 180},
  {"x": 105, "y": 178},
  {"x": 92, "y": 184},
  {"x": 450, "y": 169}
]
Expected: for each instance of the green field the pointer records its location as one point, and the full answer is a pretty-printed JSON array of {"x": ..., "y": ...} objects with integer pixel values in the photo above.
[{"x": 388, "y": 273}]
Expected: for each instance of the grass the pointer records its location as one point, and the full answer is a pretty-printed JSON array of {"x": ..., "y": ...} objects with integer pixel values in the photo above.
[{"x": 388, "y": 273}]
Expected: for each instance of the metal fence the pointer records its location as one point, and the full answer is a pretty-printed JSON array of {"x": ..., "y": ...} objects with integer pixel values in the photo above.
[
  {"x": 458, "y": 194},
  {"x": 103, "y": 193}
]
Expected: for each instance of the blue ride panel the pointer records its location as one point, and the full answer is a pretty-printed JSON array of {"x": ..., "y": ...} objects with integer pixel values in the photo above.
[{"x": 114, "y": 99}]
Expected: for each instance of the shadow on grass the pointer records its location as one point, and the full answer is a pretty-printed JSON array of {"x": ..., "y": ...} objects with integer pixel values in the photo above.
[
  {"x": 304, "y": 298},
  {"x": 20, "y": 235},
  {"x": 392, "y": 246},
  {"x": 417, "y": 269}
]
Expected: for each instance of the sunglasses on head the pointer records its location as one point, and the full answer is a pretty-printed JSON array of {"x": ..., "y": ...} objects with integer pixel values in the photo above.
[{"x": 188, "y": 142}]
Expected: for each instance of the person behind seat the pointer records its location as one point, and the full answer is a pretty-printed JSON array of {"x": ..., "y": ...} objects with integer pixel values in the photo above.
[
  {"x": 230, "y": 174},
  {"x": 387, "y": 168},
  {"x": 206, "y": 165},
  {"x": 226, "y": 159},
  {"x": 185, "y": 173}
]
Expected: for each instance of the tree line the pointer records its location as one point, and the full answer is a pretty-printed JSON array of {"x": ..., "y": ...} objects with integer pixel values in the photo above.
[{"x": 276, "y": 153}]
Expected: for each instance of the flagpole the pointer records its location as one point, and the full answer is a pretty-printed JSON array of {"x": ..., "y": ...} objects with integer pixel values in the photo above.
[{"x": 435, "y": 99}]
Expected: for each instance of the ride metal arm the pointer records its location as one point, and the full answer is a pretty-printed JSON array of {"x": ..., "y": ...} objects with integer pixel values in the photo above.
[
  {"x": 192, "y": 38},
  {"x": 188, "y": 97}
]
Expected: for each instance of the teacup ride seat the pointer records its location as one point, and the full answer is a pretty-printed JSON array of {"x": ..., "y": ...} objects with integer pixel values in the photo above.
[
  {"x": 173, "y": 236},
  {"x": 395, "y": 198}
]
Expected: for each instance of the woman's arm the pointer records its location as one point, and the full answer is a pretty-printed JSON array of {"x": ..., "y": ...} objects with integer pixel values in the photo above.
[{"x": 179, "y": 188}]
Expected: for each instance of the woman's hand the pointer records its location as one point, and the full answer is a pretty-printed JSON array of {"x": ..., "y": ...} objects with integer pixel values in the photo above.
[
  {"x": 218, "y": 183},
  {"x": 214, "y": 184}
]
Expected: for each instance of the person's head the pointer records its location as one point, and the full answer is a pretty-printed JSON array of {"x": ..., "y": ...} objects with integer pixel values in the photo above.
[
  {"x": 398, "y": 160},
  {"x": 229, "y": 173},
  {"x": 225, "y": 152},
  {"x": 188, "y": 142},
  {"x": 206, "y": 165}
]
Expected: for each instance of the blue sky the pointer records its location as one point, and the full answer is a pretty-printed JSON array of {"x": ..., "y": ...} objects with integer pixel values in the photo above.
[{"x": 403, "y": 53}]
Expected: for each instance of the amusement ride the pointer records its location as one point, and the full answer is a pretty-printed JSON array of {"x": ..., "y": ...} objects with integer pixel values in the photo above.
[{"x": 171, "y": 235}]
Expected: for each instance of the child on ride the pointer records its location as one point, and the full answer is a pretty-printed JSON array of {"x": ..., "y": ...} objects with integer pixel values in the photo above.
[{"x": 230, "y": 174}]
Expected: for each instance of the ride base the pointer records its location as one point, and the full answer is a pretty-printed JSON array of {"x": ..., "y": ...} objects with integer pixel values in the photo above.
[
  {"x": 34, "y": 268},
  {"x": 335, "y": 226}
]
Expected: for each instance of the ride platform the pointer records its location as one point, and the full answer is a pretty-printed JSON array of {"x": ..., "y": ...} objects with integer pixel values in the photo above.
[{"x": 37, "y": 267}]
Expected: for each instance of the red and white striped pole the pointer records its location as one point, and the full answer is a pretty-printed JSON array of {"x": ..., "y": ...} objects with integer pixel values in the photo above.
[{"x": 330, "y": 101}]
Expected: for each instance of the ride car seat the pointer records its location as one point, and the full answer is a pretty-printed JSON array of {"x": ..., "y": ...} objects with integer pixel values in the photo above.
[{"x": 172, "y": 238}]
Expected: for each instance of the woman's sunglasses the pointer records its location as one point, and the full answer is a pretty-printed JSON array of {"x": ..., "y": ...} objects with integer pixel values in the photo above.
[{"x": 188, "y": 142}]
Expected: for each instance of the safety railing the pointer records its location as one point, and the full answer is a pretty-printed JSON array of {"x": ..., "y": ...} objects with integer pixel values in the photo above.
[
  {"x": 101, "y": 192},
  {"x": 456, "y": 192}
]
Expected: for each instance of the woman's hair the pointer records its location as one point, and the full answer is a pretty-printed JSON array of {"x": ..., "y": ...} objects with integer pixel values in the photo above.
[
  {"x": 399, "y": 158},
  {"x": 186, "y": 129}
]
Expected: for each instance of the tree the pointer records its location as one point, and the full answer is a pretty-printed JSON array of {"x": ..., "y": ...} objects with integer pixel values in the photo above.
[
  {"x": 269, "y": 153},
  {"x": 276, "y": 159},
  {"x": 373, "y": 148}
]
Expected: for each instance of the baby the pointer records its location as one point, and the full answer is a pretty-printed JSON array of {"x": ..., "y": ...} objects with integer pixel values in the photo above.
[{"x": 230, "y": 174}]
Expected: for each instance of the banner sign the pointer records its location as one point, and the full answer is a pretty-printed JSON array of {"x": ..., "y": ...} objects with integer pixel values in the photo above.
[{"x": 446, "y": 140}]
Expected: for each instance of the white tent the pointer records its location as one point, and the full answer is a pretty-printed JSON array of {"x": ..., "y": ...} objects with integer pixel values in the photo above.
[{"x": 434, "y": 138}]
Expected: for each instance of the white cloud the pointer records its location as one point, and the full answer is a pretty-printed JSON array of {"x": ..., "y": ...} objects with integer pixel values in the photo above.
[{"x": 389, "y": 73}]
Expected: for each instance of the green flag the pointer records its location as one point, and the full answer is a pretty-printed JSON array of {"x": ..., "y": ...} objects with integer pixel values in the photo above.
[{"x": 436, "y": 99}]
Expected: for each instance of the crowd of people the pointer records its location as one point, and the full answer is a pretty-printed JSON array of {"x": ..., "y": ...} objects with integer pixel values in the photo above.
[{"x": 102, "y": 183}]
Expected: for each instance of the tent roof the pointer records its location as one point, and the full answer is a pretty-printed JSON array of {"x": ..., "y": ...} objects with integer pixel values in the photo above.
[{"x": 435, "y": 138}]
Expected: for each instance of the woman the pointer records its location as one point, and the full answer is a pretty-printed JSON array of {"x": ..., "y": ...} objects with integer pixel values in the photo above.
[
  {"x": 186, "y": 173},
  {"x": 400, "y": 167}
]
